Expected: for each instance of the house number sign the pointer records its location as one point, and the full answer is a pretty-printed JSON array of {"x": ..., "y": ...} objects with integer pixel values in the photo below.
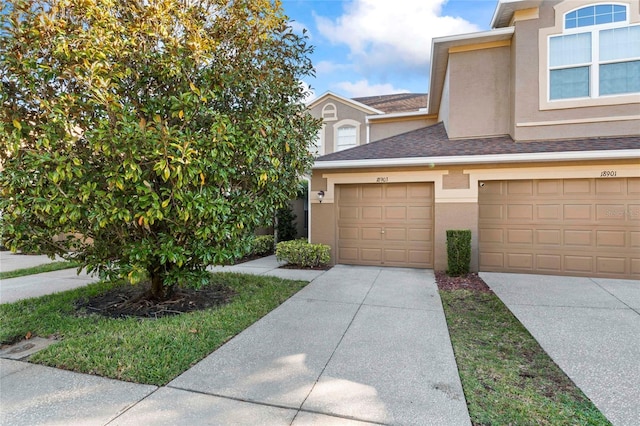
[
  {"x": 608, "y": 173},
  {"x": 382, "y": 180}
]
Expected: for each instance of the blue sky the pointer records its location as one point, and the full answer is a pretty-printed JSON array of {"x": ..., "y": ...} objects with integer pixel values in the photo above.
[{"x": 375, "y": 47}]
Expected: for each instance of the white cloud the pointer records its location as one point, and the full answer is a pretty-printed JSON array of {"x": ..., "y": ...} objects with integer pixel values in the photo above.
[
  {"x": 364, "y": 88},
  {"x": 310, "y": 93},
  {"x": 300, "y": 28},
  {"x": 327, "y": 67},
  {"x": 394, "y": 34}
]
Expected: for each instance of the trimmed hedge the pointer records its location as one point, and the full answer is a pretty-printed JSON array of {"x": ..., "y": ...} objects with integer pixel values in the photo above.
[
  {"x": 301, "y": 253},
  {"x": 262, "y": 245},
  {"x": 458, "y": 251}
]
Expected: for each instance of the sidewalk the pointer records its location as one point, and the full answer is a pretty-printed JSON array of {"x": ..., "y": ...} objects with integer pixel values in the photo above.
[
  {"x": 590, "y": 327},
  {"x": 358, "y": 345},
  {"x": 11, "y": 261}
]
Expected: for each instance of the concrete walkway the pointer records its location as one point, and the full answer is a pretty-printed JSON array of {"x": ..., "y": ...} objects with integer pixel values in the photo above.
[
  {"x": 590, "y": 327},
  {"x": 358, "y": 345},
  {"x": 11, "y": 261}
]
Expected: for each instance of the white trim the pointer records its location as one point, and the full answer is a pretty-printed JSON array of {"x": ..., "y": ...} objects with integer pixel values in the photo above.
[
  {"x": 347, "y": 122},
  {"x": 399, "y": 115},
  {"x": 579, "y": 121},
  {"x": 332, "y": 115},
  {"x": 359, "y": 105},
  {"x": 480, "y": 159}
]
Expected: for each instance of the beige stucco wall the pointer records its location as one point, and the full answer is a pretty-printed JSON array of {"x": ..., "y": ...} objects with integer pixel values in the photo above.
[
  {"x": 479, "y": 93},
  {"x": 345, "y": 114},
  {"x": 454, "y": 216},
  {"x": 456, "y": 207},
  {"x": 534, "y": 118},
  {"x": 379, "y": 129}
]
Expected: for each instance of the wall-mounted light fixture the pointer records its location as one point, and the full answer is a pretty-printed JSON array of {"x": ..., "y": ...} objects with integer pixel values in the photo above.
[
  {"x": 320, "y": 196},
  {"x": 481, "y": 184}
]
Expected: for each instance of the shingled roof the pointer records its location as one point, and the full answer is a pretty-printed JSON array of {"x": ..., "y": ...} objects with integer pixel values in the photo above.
[
  {"x": 433, "y": 141},
  {"x": 399, "y": 102}
]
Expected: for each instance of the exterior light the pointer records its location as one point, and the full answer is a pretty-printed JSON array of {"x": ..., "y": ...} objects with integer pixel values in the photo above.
[{"x": 320, "y": 196}]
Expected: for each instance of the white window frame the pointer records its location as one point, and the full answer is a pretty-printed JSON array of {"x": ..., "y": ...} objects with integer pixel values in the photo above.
[
  {"x": 318, "y": 146},
  {"x": 595, "y": 63},
  {"x": 329, "y": 112},
  {"x": 633, "y": 18},
  {"x": 345, "y": 123}
]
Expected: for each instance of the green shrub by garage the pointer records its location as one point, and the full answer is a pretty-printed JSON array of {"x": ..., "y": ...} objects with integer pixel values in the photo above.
[
  {"x": 301, "y": 253},
  {"x": 458, "y": 251}
]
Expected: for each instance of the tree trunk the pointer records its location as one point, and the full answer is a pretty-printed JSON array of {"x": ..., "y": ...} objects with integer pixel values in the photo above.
[{"x": 157, "y": 291}]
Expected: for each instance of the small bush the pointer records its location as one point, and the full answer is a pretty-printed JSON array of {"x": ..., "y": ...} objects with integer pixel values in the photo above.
[
  {"x": 262, "y": 245},
  {"x": 301, "y": 253},
  {"x": 286, "y": 224},
  {"x": 458, "y": 251}
]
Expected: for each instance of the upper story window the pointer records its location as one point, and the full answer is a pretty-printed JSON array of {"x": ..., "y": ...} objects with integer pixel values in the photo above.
[
  {"x": 597, "y": 55},
  {"x": 329, "y": 112},
  {"x": 595, "y": 15},
  {"x": 347, "y": 138}
]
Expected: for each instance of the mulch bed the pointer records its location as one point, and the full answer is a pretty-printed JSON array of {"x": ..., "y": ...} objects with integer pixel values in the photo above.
[
  {"x": 470, "y": 281},
  {"x": 132, "y": 301},
  {"x": 308, "y": 268}
]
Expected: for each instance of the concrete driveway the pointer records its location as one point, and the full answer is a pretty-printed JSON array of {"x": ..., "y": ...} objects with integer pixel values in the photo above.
[{"x": 591, "y": 329}]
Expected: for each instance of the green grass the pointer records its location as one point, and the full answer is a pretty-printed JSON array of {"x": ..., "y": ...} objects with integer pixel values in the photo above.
[
  {"x": 47, "y": 267},
  {"x": 507, "y": 377},
  {"x": 151, "y": 351}
]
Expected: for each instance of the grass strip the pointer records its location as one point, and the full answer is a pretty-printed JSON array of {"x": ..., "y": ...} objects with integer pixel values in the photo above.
[
  {"x": 507, "y": 377},
  {"x": 151, "y": 351},
  {"x": 47, "y": 267}
]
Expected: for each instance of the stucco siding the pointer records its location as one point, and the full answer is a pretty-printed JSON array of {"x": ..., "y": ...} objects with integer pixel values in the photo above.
[
  {"x": 479, "y": 93},
  {"x": 571, "y": 117},
  {"x": 378, "y": 130}
]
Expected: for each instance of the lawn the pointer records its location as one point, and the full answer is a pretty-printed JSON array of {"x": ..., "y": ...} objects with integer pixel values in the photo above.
[
  {"x": 151, "y": 351},
  {"x": 507, "y": 377},
  {"x": 47, "y": 267}
]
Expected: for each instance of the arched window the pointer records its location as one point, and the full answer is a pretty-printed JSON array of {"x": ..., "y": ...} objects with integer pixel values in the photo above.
[
  {"x": 329, "y": 112},
  {"x": 597, "y": 55},
  {"x": 347, "y": 137}
]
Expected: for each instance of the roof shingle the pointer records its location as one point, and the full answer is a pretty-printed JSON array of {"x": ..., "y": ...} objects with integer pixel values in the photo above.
[
  {"x": 400, "y": 102},
  {"x": 433, "y": 141}
]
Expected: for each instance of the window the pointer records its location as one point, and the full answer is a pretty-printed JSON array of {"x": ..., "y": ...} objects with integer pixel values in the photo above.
[
  {"x": 347, "y": 138},
  {"x": 597, "y": 55},
  {"x": 329, "y": 112},
  {"x": 317, "y": 148}
]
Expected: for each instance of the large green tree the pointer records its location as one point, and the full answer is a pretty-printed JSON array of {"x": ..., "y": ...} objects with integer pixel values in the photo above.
[{"x": 153, "y": 135}]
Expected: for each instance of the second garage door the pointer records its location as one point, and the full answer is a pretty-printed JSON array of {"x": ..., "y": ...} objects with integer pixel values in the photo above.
[
  {"x": 588, "y": 227},
  {"x": 385, "y": 224}
]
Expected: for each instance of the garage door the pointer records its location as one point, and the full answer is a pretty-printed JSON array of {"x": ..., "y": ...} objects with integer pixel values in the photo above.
[
  {"x": 385, "y": 224},
  {"x": 587, "y": 227}
]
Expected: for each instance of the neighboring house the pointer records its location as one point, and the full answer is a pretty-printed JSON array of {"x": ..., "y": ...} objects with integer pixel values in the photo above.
[
  {"x": 347, "y": 123},
  {"x": 536, "y": 151}
]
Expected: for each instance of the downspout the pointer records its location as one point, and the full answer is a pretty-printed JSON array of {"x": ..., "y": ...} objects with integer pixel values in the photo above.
[
  {"x": 366, "y": 120},
  {"x": 308, "y": 179}
]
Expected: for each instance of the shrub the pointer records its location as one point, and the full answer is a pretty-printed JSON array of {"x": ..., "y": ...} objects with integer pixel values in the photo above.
[
  {"x": 286, "y": 224},
  {"x": 262, "y": 245},
  {"x": 301, "y": 253},
  {"x": 458, "y": 251}
]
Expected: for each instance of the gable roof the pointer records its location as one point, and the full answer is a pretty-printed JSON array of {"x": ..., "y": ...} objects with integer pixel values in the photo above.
[
  {"x": 399, "y": 102},
  {"x": 433, "y": 143},
  {"x": 354, "y": 103}
]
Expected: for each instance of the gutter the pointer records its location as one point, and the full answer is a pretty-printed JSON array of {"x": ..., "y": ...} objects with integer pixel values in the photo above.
[{"x": 480, "y": 159}]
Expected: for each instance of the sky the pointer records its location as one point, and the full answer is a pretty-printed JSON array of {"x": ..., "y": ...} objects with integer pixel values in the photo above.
[{"x": 379, "y": 47}]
